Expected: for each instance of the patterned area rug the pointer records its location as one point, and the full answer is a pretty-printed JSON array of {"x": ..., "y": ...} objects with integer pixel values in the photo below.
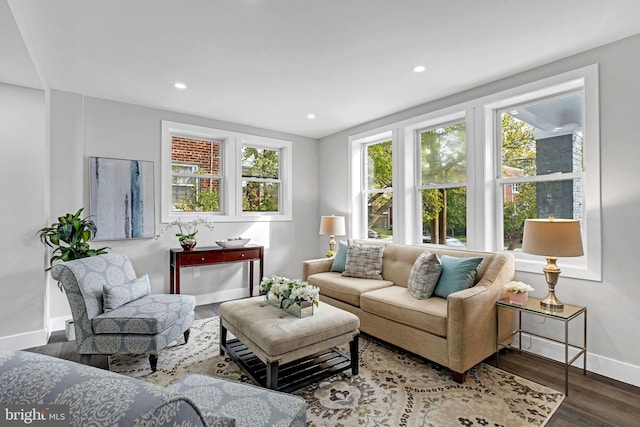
[{"x": 393, "y": 388}]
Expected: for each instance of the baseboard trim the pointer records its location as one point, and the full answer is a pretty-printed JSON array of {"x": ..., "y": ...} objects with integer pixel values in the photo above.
[
  {"x": 25, "y": 340},
  {"x": 620, "y": 371},
  {"x": 221, "y": 296},
  {"x": 58, "y": 323}
]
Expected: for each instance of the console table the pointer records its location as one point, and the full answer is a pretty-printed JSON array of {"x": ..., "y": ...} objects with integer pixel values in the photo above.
[{"x": 212, "y": 255}]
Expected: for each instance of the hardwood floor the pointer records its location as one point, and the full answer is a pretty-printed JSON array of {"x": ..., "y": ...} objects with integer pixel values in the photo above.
[{"x": 593, "y": 400}]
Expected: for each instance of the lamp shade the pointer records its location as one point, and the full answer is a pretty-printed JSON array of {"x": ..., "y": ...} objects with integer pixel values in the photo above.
[
  {"x": 552, "y": 237},
  {"x": 332, "y": 225}
]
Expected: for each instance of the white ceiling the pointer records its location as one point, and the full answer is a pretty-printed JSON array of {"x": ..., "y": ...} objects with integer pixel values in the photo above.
[{"x": 268, "y": 63}]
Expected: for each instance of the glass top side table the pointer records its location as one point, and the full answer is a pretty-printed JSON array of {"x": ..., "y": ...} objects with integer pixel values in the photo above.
[{"x": 533, "y": 307}]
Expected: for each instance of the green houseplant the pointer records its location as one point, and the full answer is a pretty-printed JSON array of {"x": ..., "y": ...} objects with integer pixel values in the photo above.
[{"x": 70, "y": 238}]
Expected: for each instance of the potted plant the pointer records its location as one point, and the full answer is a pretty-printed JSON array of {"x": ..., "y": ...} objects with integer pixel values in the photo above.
[
  {"x": 518, "y": 292},
  {"x": 188, "y": 230},
  {"x": 70, "y": 238}
]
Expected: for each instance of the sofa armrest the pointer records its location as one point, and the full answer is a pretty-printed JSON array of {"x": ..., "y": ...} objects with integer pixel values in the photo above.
[
  {"x": 313, "y": 266},
  {"x": 471, "y": 325}
]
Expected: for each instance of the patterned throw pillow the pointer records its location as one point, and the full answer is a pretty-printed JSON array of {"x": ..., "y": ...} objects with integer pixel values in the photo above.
[
  {"x": 457, "y": 274},
  {"x": 114, "y": 296},
  {"x": 364, "y": 261},
  {"x": 424, "y": 275},
  {"x": 340, "y": 261}
]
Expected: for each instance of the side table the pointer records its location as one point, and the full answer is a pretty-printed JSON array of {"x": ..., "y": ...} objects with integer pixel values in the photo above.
[{"x": 532, "y": 306}]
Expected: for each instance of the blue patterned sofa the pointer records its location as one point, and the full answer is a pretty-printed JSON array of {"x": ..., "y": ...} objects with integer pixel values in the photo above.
[
  {"x": 95, "y": 397},
  {"x": 113, "y": 311}
]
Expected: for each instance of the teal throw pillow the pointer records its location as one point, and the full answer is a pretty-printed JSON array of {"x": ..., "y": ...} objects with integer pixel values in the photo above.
[
  {"x": 424, "y": 275},
  {"x": 457, "y": 274},
  {"x": 114, "y": 296},
  {"x": 340, "y": 260}
]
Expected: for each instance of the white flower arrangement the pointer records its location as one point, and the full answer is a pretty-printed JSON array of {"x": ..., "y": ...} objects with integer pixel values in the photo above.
[
  {"x": 188, "y": 229},
  {"x": 518, "y": 287},
  {"x": 289, "y": 291}
]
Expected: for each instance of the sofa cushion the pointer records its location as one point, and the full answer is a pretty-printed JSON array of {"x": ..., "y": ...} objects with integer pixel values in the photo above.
[
  {"x": 397, "y": 304},
  {"x": 117, "y": 295},
  {"x": 147, "y": 315},
  {"x": 424, "y": 275},
  {"x": 340, "y": 260},
  {"x": 346, "y": 289},
  {"x": 457, "y": 274},
  {"x": 364, "y": 261}
]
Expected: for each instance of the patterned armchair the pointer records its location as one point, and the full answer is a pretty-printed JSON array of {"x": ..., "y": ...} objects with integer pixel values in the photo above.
[{"x": 113, "y": 311}]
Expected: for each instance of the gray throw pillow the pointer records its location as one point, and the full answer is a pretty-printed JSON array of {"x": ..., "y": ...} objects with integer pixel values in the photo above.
[
  {"x": 114, "y": 296},
  {"x": 424, "y": 275},
  {"x": 364, "y": 261}
]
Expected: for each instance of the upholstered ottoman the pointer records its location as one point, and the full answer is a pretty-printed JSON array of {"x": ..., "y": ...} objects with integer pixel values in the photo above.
[{"x": 283, "y": 352}]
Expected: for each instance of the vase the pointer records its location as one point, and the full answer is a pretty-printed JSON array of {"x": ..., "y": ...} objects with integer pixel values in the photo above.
[
  {"x": 188, "y": 244},
  {"x": 301, "y": 310},
  {"x": 518, "y": 298}
]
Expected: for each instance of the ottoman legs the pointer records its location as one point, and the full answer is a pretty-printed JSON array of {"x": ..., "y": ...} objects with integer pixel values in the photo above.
[
  {"x": 353, "y": 350},
  {"x": 272, "y": 375},
  {"x": 223, "y": 339}
]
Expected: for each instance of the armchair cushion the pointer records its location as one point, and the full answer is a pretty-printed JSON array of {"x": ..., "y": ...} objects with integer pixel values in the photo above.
[
  {"x": 150, "y": 314},
  {"x": 117, "y": 295}
]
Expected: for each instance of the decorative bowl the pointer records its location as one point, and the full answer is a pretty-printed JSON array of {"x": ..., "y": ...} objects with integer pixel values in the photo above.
[{"x": 232, "y": 243}]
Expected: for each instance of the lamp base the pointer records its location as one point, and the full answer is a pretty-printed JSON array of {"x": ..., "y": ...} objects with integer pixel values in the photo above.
[{"x": 551, "y": 303}]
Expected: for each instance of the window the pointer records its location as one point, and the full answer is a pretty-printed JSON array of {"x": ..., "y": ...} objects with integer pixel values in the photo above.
[
  {"x": 442, "y": 187},
  {"x": 224, "y": 175},
  {"x": 260, "y": 179},
  {"x": 471, "y": 173},
  {"x": 378, "y": 189},
  {"x": 196, "y": 176},
  {"x": 541, "y": 157}
]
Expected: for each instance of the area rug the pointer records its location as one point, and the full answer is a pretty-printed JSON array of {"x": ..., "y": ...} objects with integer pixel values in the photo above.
[{"x": 393, "y": 388}]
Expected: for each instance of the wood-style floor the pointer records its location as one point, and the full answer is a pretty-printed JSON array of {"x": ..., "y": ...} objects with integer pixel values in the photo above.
[{"x": 593, "y": 400}]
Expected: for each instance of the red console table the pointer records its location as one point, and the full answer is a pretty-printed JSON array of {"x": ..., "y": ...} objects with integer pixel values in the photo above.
[{"x": 179, "y": 258}]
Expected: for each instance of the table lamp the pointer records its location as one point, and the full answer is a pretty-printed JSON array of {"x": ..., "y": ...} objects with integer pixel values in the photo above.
[
  {"x": 333, "y": 226},
  {"x": 552, "y": 238}
]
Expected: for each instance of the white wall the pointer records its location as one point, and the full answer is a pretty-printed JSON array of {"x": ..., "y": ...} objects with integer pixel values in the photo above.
[
  {"x": 23, "y": 168},
  {"x": 83, "y": 127},
  {"x": 613, "y": 304}
]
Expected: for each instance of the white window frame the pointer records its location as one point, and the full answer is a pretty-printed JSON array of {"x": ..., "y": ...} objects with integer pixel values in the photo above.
[
  {"x": 484, "y": 195},
  {"x": 231, "y": 179},
  {"x": 285, "y": 188},
  {"x": 585, "y": 80}
]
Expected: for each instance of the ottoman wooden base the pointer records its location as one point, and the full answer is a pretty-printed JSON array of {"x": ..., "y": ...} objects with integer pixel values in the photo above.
[
  {"x": 293, "y": 375},
  {"x": 282, "y": 352}
]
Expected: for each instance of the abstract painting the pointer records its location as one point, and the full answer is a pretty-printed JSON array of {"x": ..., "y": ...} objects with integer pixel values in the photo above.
[{"x": 122, "y": 198}]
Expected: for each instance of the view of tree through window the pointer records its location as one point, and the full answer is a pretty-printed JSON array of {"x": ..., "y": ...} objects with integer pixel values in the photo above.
[
  {"x": 443, "y": 171},
  {"x": 379, "y": 190},
  {"x": 541, "y": 146},
  {"x": 195, "y": 175},
  {"x": 260, "y": 180}
]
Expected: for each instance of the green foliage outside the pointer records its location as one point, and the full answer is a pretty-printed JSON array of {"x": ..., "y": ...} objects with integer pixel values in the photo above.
[
  {"x": 519, "y": 152},
  {"x": 263, "y": 164},
  {"x": 380, "y": 177}
]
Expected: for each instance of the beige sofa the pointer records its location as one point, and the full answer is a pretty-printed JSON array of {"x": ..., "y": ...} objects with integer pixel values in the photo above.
[{"x": 457, "y": 332}]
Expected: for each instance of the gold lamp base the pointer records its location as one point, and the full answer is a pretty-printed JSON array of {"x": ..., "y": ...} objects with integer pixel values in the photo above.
[{"x": 551, "y": 273}]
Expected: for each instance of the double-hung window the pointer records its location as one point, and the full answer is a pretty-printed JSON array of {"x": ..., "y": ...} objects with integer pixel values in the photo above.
[
  {"x": 442, "y": 187},
  {"x": 224, "y": 175},
  {"x": 378, "y": 189}
]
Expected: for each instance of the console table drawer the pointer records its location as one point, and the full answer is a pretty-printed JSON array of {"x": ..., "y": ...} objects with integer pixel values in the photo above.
[
  {"x": 241, "y": 255},
  {"x": 199, "y": 258}
]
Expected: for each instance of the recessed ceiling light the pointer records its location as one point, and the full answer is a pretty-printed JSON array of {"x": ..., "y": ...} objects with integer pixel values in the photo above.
[
  {"x": 419, "y": 69},
  {"x": 514, "y": 112},
  {"x": 311, "y": 116},
  {"x": 180, "y": 85}
]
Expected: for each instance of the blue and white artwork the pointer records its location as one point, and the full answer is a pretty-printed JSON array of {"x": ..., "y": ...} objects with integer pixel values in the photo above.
[{"x": 122, "y": 202}]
